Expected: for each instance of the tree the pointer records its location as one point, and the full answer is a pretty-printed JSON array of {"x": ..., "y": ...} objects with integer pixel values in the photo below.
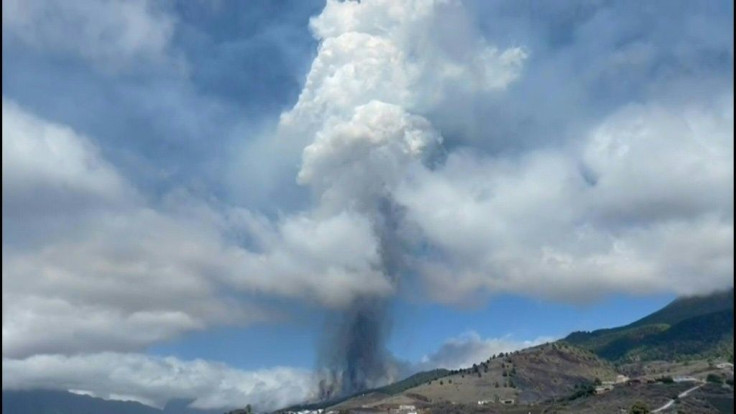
[
  {"x": 714, "y": 379},
  {"x": 639, "y": 408},
  {"x": 496, "y": 384},
  {"x": 597, "y": 381}
]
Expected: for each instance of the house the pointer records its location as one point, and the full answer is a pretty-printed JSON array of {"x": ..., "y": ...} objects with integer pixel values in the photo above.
[{"x": 621, "y": 379}]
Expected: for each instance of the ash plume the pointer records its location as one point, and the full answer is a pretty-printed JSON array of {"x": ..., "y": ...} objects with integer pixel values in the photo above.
[
  {"x": 359, "y": 123},
  {"x": 355, "y": 357}
]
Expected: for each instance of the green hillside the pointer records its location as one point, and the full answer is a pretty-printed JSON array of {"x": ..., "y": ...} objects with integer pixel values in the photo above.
[
  {"x": 413, "y": 381},
  {"x": 692, "y": 327},
  {"x": 688, "y": 307}
]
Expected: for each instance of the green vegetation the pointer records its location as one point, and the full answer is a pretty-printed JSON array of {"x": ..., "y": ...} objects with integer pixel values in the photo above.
[
  {"x": 689, "y": 307},
  {"x": 582, "y": 390},
  {"x": 412, "y": 381},
  {"x": 687, "y": 328},
  {"x": 639, "y": 408},
  {"x": 716, "y": 379}
]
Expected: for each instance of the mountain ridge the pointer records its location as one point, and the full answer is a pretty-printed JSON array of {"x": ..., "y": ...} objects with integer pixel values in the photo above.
[{"x": 687, "y": 327}]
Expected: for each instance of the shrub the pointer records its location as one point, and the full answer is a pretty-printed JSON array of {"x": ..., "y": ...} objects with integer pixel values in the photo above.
[
  {"x": 714, "y": 379},
  {"x": 639, "y": 408}
]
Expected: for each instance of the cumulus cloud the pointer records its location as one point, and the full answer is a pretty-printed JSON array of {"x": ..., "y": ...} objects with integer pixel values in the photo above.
[
  {"x": 90, "y": 265},
  {"x": 49, "y": 166},
  {"x": 329, "y": 260},
  {"x": 469, "y": 348},
  {"x": 631, "y": 207},
  {"x": 156, "y": 380},
  {"x": 112, "y": 35}
]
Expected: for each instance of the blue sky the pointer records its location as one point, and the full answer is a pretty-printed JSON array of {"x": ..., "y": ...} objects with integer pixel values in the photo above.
[
  {"x": 194, "y": 191},
  {"x": 417, "y": 329}
]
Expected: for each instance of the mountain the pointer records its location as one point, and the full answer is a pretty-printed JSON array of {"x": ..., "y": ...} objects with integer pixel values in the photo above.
[
  {"x": 688, "y": 307},
  {"x": 564, "y": 372},
  {"x": 531, "y": 376},
  {"x": 689, "y": 327},
  {"x": 62, "y": 402}
]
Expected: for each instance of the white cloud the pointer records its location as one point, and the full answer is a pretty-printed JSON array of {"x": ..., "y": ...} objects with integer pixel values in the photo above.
[
  {"x": 89, "y": 265},
  {"x": 469, "y": 348},
  {"x": 328, "y": 259},
  {"x": 410, "y": 54},
  {"x": 51, "y": 167},
  {"x": 642, "y": 204},
  {"x": 156, "y": 380},
  {"x": 112, "y": 35}
]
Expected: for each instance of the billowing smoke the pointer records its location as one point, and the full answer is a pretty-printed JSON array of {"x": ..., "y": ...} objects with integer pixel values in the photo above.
[
  {"x": 354, "y": 166},
  {"x": 355, "y": 357},
  {"x": 359, "y": 122}
]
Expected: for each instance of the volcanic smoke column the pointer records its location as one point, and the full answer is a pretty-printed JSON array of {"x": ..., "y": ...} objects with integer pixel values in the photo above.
[
  {"x": 380, "y": 64},
  {"x": 353, "y": 166}
]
